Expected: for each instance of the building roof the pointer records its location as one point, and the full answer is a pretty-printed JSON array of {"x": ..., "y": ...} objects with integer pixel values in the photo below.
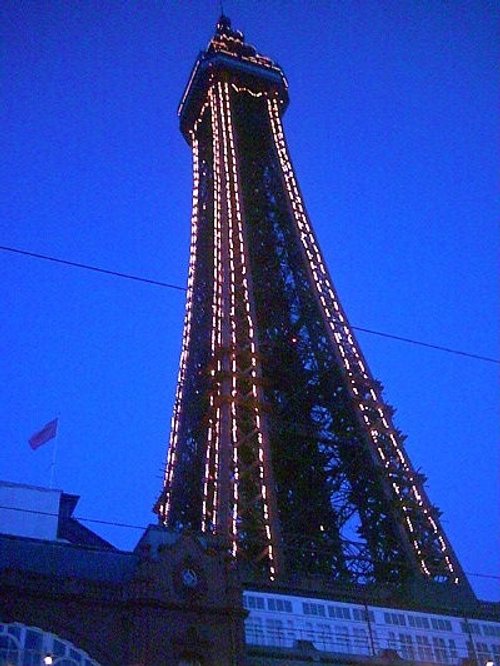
[{"x": 53, "y": 558}]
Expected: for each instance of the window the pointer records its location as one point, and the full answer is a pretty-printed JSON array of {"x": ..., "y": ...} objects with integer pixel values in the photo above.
[
  {"x": 424, "y": 649},
  {"x": 346, "y": 613},
  {"x": 360, "y": 641},
  {"x": 282, "y": 605},
  {"x": 440, "y": 624},
  {"x": 361, "y": 615},
  {"x": 309, "y": 633},
  {"x": 406, "y": 646},
  {"x": 483, "y": 652},
  {"x": 440, "y": 651},
  {"x": 255, "y": 603},
  {"x": 9, "y": 650},
  {"x": 14, "y": 630},
  {"x": 325, "y": 636},
  {"x": 290, "y": 633},
  {"x": 470, "y": 650},
  {"x": 495, "y": 650},
  {"x": 397, "y": 619},
  {"x": 392, "y": 643},
  {"x": 32, "y": 648},
  {"x": 253, "y": 631},
  {"x": 491, "y": 630},
  {"x": 275, "y": 633},
  {"x": 342, "y": 639},
  {"x": 30, "y": 643},
  {"x": 339, "y": 612},
  {"x": 418, "y": 622},
  {"x": 313, "y": 609}
]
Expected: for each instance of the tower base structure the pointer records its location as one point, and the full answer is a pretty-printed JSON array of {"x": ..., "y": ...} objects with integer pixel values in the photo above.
[{"x": 179, "y": 598}]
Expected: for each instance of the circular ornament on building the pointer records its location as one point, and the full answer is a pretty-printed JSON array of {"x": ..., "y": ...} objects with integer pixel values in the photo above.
[
  {"x": 188, "y": 580},
  {"x": 189, "y": 577}
]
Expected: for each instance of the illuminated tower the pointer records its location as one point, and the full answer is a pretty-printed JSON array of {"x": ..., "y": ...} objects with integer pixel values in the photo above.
[{"x": 281, "y": 440}]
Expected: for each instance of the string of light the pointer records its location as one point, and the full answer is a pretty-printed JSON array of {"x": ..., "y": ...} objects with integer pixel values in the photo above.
[
  {"x": 174, "y": 430},
  {"x": 229, "y": 186},
  {"x": 356, "y": 370},
  {"x": 237, "y": 231},
  {"x": 212, "y": 465}
]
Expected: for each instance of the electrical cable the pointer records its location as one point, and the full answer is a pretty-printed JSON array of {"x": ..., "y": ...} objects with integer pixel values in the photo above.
[
  {"x": 169, "y": 285},
  {"x": 111, "y": 523},
  {"x": 87, "y": 520},
  {"x": 91, "y": 268},
  {"x": 427, "y": 344}
]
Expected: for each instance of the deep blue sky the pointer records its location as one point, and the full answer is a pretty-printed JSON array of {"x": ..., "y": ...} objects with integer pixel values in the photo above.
[{"x": 392, "y": 129}]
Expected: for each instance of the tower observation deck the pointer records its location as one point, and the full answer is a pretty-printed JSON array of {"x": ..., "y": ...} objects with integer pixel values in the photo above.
[{"x": 281, "y": 440}]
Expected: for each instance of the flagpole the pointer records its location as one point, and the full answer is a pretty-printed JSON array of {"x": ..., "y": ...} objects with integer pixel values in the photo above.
[{"x": 54, "y": 455}]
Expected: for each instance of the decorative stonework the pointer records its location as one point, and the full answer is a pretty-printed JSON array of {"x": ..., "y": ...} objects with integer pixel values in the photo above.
[{"x": 181, "y": 602}]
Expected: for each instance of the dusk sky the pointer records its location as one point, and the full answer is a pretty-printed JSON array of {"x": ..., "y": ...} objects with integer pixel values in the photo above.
[{"x": 392, "y": 128}]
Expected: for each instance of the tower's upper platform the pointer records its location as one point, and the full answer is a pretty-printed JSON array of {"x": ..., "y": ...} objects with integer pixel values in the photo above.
[{"x": 228, "y": 55}]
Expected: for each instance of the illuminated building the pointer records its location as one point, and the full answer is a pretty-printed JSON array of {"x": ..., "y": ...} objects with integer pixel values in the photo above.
[
  {"x": 281, "y": 439},
  {"x": 281, "y": 442}
]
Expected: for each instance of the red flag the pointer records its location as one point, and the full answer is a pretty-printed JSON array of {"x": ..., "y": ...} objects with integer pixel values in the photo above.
[{"x": 44, "y": 435}]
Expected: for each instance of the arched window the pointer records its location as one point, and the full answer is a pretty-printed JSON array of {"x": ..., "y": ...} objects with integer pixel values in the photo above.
[
  {"x": 21, "y": 645},
  {"x": 9, "y": 651}
]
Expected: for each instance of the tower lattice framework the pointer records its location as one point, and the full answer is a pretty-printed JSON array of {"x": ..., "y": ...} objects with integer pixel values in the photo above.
[{"x": 281, "y": 440}]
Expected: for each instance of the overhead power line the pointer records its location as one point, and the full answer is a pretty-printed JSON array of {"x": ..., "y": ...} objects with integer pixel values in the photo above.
[
  {"x": 111, "y": 523},
  {"x": 96, "y": 269},
  {"x": 427, "y": 344},
  {"x": 168, "y": 285}
]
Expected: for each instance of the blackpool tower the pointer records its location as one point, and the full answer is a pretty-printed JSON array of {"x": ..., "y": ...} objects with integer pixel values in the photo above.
[{"x": 281, "y": 441}]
